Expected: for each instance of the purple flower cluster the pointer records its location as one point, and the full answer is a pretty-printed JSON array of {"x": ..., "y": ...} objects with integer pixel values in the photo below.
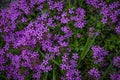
[
  {"x": 69, "y": 66},
  {"x": 27, "y": 60},
  {"x": 94, "y": 73},
  {"x": 115, "y": 76},
  {"x": 43, "y": 67},
  {"x": 110, "y": 11},
  {"x": 96, "y": 3},
  {"x": 29, "y": 26},
  {"x": 116, "y": 61},
  {"x": 79, "y": 18},
  {"x": 99, "y": 54},
  {"x": 3, "y": 60},
  {"x": 20, "y": 64},
  {"x": 55, "y": 5}
]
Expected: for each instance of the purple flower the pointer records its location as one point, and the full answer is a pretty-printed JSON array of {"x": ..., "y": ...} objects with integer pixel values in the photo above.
[
  {"x": 114, "y": 5},
  {"x": 73, "y": 75},
  {"x": 94, "y": 73},
  {"x": 50, "y": 22},
  {"x": 96, "y": 3},
  {"x": 80, "y": 24},
  {"x": 16, "y": 61},
  {"x": 24, "y": 6},
  {"x": 99, "y": 54},
  {"x": 44, "y": 66},
  {"x": 59, "y": 6},
  {"x": 55, "y": 5},
  {"x": 116, "y": 61},
  {"x": 64, "y": 66},
  {"x": 40, "y": 7},
  {"x": 104, "y": 20},
  {"x": 75, "y": 56},
  {"x": 65, "y": 57},
  {"x": 69, "y": 65},
  {"x": 64, "y": 18},
  {"x": 3, "y": 60},
  {"x": 78, "y": 35},
  {"x": 81, "y": 12},
  {"x": 24, "y": 19},
  {"x": 37, "y": 75},
  {"x": 69, "y": 34},
  {"x": 57, "y": 17},
  {"x": 65, "y": 29},
  {"x": 115, "y": 76},
  {"x": 71, "y": 11},
  {"x": 14, "y": 73},
  {"x": 79, "y": 18},
  {"x": 63, "y": 43}
]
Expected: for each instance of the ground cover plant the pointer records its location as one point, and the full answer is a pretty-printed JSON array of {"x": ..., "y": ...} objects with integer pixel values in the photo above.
[{"x": 60, "y": 40}]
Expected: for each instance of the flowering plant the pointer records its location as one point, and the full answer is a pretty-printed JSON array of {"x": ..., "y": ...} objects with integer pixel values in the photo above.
[{"x": 60, "y": 40}]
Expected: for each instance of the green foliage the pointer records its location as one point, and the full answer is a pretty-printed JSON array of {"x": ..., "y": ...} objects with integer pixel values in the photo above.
[
  {"x": 2, "y": 75},
  {"x": 2, "y": 42},
  {"x": 21, "y": 26},
  {"x": 112, "y": 43},
  {"x": 15, "y": 51}
]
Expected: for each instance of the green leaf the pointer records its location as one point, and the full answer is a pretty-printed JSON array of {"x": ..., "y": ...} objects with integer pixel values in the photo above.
[
  {"x": 86, "y": 48},
  {"x": 76, "y": 44},
  {"x": 54, "y": 77},
  {"x": 55, "y": 62}
]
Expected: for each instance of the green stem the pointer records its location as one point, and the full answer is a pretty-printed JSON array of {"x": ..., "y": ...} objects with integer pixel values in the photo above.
[
  {"x": 54, "y": 78},
  {"x": 46, "y": 75}
]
